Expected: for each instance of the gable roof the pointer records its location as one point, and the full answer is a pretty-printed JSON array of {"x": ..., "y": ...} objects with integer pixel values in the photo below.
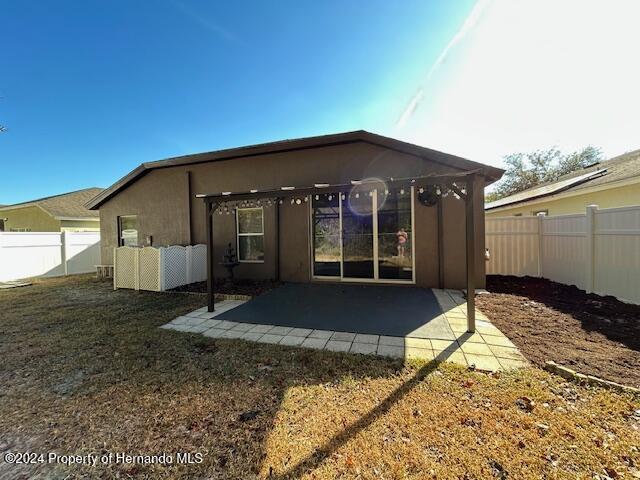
[
  {"x": 491, "y": 173},
  {"x": 65, "y": 205},
  {"x": 622, "y": 167}
]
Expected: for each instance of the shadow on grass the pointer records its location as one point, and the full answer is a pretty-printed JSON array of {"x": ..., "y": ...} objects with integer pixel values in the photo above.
[
  {"x": 102, "y": 376},
  {"x": 314, "y": 460}
]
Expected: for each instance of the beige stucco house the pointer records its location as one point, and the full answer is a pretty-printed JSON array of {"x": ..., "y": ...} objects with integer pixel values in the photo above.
[
  {"x": 608, "y": 184},
  {"x": 341, "y": 227},
  {"x": 64, "y": 212}
]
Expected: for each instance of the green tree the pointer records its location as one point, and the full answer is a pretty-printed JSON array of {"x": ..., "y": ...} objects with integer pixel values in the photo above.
[{"x": 526, "y": 170}]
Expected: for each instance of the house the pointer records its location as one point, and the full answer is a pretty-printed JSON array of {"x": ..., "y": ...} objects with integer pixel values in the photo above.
[
  {"x": 347, "y": 207},
  {"x": 608, "y": 184},
  {"x": 64, "y": 212}
]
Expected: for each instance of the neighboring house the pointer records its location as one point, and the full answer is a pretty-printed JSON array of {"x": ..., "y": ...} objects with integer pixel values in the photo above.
[
  {"x": 64, "y": 212},
  {"x": 332, "y": 234},
  {"x": 608, "y": 184}
]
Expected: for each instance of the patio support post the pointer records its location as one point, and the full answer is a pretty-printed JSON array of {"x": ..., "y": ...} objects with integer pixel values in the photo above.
[
  {"x": 471, "y": 254},
  {"x": 209, "y": 225},
  {"x": 277, "y": 235}
]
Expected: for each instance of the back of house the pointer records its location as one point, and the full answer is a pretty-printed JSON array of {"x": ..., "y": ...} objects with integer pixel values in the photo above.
[{"x": 380, "y": 234}]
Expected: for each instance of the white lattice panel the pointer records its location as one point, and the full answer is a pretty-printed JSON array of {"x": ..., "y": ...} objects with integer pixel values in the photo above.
[
  {"x": 149, "y": 269},
  {"x": 175, "y": 266},
  {"x": 125, "y": 271},
  {"x": 198, "y": 263}
]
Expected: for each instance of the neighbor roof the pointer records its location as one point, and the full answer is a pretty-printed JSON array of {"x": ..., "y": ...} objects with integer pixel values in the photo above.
[
  {"x": 65, "y": 205},
  {"x": 491, "y": 173},
  {"x": 623, "y": 167}
]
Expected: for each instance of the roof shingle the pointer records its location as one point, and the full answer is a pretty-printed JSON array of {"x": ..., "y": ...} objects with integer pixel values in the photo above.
[{"x": 71, "y": 205}]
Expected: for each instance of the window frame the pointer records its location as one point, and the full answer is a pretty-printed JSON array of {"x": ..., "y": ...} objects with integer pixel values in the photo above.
[
  {"x": 120, "y": 240},
  {"x": 238, "y": 234}
]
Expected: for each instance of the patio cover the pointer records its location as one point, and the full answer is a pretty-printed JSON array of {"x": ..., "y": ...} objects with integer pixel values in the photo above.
[{"x": 460, "y": 184}]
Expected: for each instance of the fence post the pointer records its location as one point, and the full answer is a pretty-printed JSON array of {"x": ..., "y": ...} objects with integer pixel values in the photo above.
[
  {"x": 161, "y": 260},
  {"x": 590, "y": 235},
  {"x": 540, "y": 216},
  {"x": 189, "y": 260},
  {"x": 63, "y": 252},
  {"x": 115, "y": 267},
  {"x": 136, "y": 269}
]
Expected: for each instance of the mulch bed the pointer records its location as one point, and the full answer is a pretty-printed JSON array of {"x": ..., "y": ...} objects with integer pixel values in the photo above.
[
  {"x": 252, "y": 288},
  {"x": 591, "y": 334}
]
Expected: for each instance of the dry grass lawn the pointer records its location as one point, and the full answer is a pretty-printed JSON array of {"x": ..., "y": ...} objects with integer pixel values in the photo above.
[{"x": 86, "y": 370}]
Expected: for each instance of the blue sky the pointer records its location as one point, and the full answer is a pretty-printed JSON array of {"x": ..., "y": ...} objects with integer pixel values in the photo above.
[{"x": 91, "y": 89}]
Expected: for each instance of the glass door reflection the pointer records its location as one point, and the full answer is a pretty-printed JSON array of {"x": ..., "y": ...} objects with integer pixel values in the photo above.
[
  {"x": 395, "y": 245},
  {"x": 357, "y": 236},
  {"x": 326, "y": 235}
]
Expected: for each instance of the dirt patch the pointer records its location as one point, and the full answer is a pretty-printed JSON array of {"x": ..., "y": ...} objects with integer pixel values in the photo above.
[
  {"x": 252, "y": 288},
  {"x": 549, "y": 321}
]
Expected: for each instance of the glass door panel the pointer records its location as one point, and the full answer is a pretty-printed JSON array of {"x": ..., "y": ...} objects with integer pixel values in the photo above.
[
  {"x": 357, "y": 236},
  {"x": 395, "y": 246},
  {"x": 326, "y": 235}
]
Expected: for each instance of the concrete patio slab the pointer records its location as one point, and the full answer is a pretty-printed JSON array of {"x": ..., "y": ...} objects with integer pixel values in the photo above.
[
  {"x": 363, "y": 348},
  {"x": 364, "y": 338},
  {"x": 338, "y": 346},
  {"x": 343, "y": 336},
  {"x": 324, "y": 334},
  {"x": 317, "y": 343},
  {"x": 260, "y": 328},
  {"x": 292, "y": 340},
  {"x": 441, "y": 337}
]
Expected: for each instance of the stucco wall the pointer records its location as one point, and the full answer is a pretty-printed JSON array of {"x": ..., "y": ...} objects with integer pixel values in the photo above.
[
  {"x": 613, "y": 197},
  {"x": 32, "y": 218},
  {"x": 161, "y": 200}
]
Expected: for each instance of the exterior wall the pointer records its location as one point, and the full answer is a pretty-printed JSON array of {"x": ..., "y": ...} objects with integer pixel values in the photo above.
[
  {"x": 610, "y": 198},
  {"x": 32, "y": 218},
  {"x": 164, "y": 205},
  {"x": 79, "y": 226}
]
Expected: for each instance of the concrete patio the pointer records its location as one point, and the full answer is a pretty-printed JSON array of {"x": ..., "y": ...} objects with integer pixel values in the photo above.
[{"x": 442, "y": 337}]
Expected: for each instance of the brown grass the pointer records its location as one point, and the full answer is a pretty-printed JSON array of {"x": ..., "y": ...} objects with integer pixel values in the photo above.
[{"x": 85, "y": 370}]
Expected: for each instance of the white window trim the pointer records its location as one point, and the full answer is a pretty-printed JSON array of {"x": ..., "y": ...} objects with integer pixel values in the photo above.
[{"x": 238, "y": 234}]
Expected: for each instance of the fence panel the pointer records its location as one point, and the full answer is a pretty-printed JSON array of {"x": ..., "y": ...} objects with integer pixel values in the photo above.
[
  {"x": 159, "y": 269},
  {"x": 82, "y": 251},
  {"x": 149, "y": 269},
  {"x": 47, "y": 254},
  {"x": 597, "y": 251},
  {"x": 198, "y": 263},
  {"x": 564, "y": 249},
  {"x": 617, "y": 253},
  {"x": 125, "y": 267},
  {"x": 175, "y": 267},
  {"x": 513, "y": 243}
]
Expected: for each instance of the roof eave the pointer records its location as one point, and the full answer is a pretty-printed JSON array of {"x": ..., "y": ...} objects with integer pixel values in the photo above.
[{"x": 490, "y": 173}]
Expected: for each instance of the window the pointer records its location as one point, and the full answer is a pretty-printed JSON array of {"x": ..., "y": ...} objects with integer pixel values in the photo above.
[
  {"x": 128, "y": 231},
  {"x": 250, "y": 228}
]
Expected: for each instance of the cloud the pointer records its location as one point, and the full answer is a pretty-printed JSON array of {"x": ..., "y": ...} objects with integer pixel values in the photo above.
[
  {"x": 469, "y": 23},
  {"x": 529, "y": 74},
  {"x": 213, "y": 27}
]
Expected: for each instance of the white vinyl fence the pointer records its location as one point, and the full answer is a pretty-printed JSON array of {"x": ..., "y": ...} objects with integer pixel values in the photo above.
[
  {"x": 47, "y": 254},
  {"x": 159, "y": 269},
  {"x": 598, "y": 251}
]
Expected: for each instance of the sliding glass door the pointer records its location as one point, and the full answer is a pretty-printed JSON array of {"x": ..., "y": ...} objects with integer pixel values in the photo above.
[
  {"x": 357, "y": 236},
  {"x": 363, "y": 236}
]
